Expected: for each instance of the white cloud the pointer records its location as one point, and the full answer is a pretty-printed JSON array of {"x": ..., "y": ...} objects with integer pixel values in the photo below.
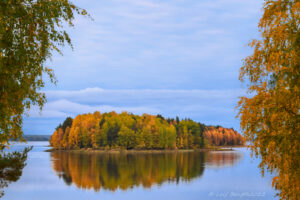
[
  {"x": 168, "y": 102},
  {"x": 215, "y": 107},
  {"x": 180, "y": 37},
  {"x": 161, "y": 45},
  {"x": 143, "y": 96},
  {"x": 63, "y": 108}
]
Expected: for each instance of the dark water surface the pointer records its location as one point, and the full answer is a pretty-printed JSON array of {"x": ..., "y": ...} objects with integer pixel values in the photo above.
[{"x": 193, "y": 175}]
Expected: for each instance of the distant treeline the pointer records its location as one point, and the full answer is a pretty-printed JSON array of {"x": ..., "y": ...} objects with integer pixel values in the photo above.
[
  {"x": 129, "y": 131},
  {"x": 36, "y": 137}
]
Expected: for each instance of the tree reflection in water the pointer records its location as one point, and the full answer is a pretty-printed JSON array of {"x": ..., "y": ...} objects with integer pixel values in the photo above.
[
  {"x": 220, "y": 159},
  {"x": 124, "y": 171},
  {"x": 11, "y": 167}
]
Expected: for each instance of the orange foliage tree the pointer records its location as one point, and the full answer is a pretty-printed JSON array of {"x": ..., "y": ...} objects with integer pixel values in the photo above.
[
  {"x": 129, "y": 131},
  {"x": 270, "y": 117}
]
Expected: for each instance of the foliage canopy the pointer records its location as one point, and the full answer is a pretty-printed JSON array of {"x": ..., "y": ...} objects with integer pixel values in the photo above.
[
  {"x": 270, "y": 118},
  {"x": 29, "y": 31},
  {"x": 129, "y": 131}
]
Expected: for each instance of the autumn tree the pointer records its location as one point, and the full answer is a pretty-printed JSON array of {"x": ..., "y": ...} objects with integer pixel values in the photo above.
[
  {"x": 126, "y": 137},
  {"x": 129, "y": 131},
  {"x": 67, "y": 123},
  {"x": 29, "y": 31},
  {"x": 270, "y": 115},
  {"x": 216, "y": 136}
]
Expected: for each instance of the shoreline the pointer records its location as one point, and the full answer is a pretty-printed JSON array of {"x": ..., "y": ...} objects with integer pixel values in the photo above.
[{"x": 142, "y": 151}]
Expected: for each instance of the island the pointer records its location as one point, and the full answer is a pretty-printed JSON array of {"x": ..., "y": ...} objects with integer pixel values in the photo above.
[{"x": 127, "y": 131}]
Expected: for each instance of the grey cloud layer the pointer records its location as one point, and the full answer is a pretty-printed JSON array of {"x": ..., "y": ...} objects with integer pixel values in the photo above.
[
  {"x": 207, "y": 106},
  {"x": 149, "y": 43},
  {"x": 154, "y": 44}
]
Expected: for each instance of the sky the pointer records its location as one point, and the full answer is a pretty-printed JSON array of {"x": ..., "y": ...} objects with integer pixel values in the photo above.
[{"x": 170, "y": 57}]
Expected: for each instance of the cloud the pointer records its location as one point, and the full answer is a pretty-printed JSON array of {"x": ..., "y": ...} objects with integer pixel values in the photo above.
[
  {"x": 64, "y": 108},
  {"x": 206, "y": 106},
  {"x": 170, "y": 57},
  {"x": 150, "y": 44},
  {"x": 149, "y": 97}
]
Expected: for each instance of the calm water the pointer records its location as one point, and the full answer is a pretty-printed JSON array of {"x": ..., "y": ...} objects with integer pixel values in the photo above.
[{"x": 211, "y": 175}]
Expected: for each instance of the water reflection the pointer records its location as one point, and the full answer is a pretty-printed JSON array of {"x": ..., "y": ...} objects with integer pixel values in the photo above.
[
  {"x": 113, "y": 171},
  {"x": 11, "y": 167},
  {"x": 220, "y": 159}
]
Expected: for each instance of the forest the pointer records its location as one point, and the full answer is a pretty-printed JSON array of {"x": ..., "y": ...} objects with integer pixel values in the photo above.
[{"x": 129, "y": 131}]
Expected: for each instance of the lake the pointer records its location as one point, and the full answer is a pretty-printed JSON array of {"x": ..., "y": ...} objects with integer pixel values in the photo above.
[{"x": 188, "y": 175}]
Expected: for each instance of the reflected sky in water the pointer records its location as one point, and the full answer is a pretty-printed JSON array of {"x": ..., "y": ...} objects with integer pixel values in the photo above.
[{"x": 210, "y": 175}]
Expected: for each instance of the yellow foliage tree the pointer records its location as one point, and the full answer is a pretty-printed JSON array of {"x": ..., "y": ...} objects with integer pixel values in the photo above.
[
  {"x": 270, "y": 117},
  {"x": 29, "y": 32},
  {"x": 129, "y": 131}
]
